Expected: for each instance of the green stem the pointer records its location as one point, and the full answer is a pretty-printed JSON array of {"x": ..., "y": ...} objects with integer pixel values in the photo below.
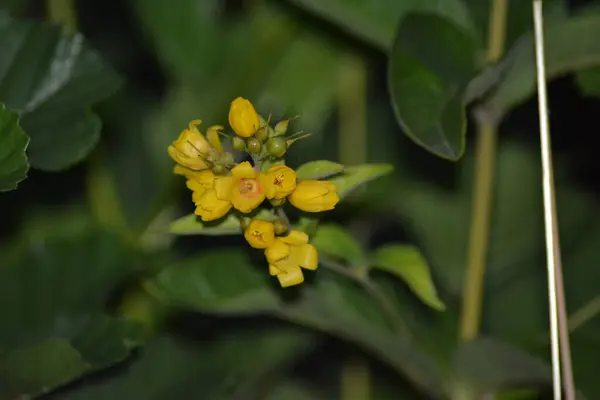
[
  {"x": 63, "y": 13},
  {"x": 487, "y": 133}
]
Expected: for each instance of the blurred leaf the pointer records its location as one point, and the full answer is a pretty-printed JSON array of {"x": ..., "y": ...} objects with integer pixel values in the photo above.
[
  {"x": 51, "y": 80},
  {"x": 13, "y": 143},
  {"x": 333, "y": 240},
  {"x": 588, "y": 81},
  {"x": 426, "y": 85},
  {"x": 319, "y": 169},
  {"x": 226, "y": 282},
  {"x": 53, "y": 300},
  {"x": 39, "y": 368},
  {"x": 359, "y": 175},
  {"x": 223, "y": 368},
  {"x": 487, "y": 366},
  {"x": 375, "y": 21},
  {"x": 512, "y": 81},
  {"x": 408, "y": 264},
  {"x": 191, "y": 224}
]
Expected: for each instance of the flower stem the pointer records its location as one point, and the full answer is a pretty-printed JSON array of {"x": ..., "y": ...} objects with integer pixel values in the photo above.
[{"x": 487, "y": 133}]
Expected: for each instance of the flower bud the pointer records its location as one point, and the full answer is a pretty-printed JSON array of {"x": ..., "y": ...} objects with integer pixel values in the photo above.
[
  {"x": 238, "y": 143},
  {"x": 263, "y": 133},
  {"x": 281, "y": 227},
  {"x": 226, "y": 158},
  {"x": 277, "y": 202},
  {"x": 244, "y": 223},
  {"x": 219, "y": 169},
  {"x": 281, "y": 127},
  {"x": 276, "y": 147},
  {"x": 243, "y": 118},
  {"x": 254, "y": 145}
]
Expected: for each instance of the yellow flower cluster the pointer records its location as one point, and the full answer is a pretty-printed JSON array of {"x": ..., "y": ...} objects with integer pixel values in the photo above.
[
  {"x": 286, "y": 255},
  {"x": 218, "y": 184}
]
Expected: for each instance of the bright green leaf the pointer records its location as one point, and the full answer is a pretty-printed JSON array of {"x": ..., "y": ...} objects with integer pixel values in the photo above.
[
  {"x": 13, "y": 143},
  {"x": 51, "y": 80},
  {"x": 34, "y": 370},
  {"x": 408, "y": 264},
  {"x": 432, "y": 61},
  {"x": 376, "y": 21},
  {"x": 359, "y": 175},
  {"x": 319, "y": 169},
  {"x": 333, "y": 240},
  {"x": 513, "y": 80},
  {"x": 191, "y": 224}
]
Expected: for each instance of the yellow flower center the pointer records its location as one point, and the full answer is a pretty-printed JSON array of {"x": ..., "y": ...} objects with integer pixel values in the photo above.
[{"x": 250, "y": 187}]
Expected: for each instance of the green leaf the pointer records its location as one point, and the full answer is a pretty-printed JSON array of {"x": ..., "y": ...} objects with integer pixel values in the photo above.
[
  {"x": 220, "y": 368},
  {"x": 588, "y": 81},
  {"x": 36, "y": 369},
  {"x": 432, "y": 61},
  {"x": 54, "y": 292},
  {"x": 191, "y": 224},
  {"x": 333, "y": 240},
  {"x": 485, "y": 365},
  {"x": 513, "y": 80},
  {"x": 51, "y": 80},
  {"x": 376, "y": 21},
  {"x": 227, "y": 282},
  {"x": 359, "y": 175},
  {"x": 13, "y": 143},
  {"x": 319, "y": 169},
  {"x": 407, "y": 263}
]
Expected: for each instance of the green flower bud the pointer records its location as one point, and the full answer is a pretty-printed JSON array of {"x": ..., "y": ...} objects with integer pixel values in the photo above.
[
  {"x": 281, "y": 127},
  {"x": 276, "y": 147},
  {"x": 244, "y": 223},
  {"x": 277, "y": 202},
  {"x": 281, "y": 227},
  {"x": 263, "y": 133},
  {"x": 254, "y": 145},
  {"x": 238, "y": 143},
  {"x": 227, "y": 158},
  {"x": 219, "y": 169}
]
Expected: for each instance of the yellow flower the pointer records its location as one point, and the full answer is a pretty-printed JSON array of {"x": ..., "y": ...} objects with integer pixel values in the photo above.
[
  {"x": 243, "y": 117},
  {"x": 288, "y": 254},
  {"x": 260, "y": 234},
  {"x": 191, "y": 148},
  {"x": 314, "y": 196},
  {"x": 208, "y": 205},
  {"x": 279, "y": 181},
  {"x": 243, "y": 188}
]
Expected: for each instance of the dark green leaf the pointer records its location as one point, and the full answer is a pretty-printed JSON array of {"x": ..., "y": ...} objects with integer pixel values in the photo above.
[
  {"x": 359, "y": 175},
  {"x": 508, "y": 84},
  {"x": 376, "y": 21},
  {"x": 432, "y": 61},
  {"x": 226, "y": 282},
  {"x": 407, "y": 263},
  {"x": 51, "y": 80},
  {"x": 588, "y": 81},
  {"x": 53, "y": 298},
  {"x": 13, "y": 143},
  {"x": 333, "y": 240},
  {"x": 224, "y": 368},
  {"x": 319, "y": 169}
]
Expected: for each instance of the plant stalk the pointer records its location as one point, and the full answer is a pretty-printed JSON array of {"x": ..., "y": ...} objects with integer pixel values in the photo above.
[{"x": 485, "y": 154}]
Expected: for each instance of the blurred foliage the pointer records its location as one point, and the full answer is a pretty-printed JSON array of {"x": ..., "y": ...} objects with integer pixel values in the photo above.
[{"x": 110, "y": 289}]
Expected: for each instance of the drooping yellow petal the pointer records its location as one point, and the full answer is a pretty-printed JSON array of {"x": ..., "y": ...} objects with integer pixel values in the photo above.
[
  {"x": 291, "y": 277},
  {"x": 273, "y": 270},
  {"x": 244, "y": 170},
  {"x": 191, "y": 148},
  {"x": 306, "y": 256},
  {"x": 243, "y": 118},
  {"x": 295, "y": 238},
  {"x": 277, "y": 251},
  {"x": 260, "y": 234},
  {"x": 279, "y": 182},
  {"x": 314, "y": 196},
  {"x": 210, "y": 207},
  {"x": 212, "y": 135}
]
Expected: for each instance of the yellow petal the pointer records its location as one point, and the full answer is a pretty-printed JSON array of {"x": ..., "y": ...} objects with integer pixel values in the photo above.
[
  {"x": 210, "y": 207},
  {"x": 291, "y": 277},
  {"x": 306, "y": 256},
  {"x": 212, "y": 135},
  {"x": 277, "y": 251},
  {"x": 314, "y": 196},
  {"x": 196, "y": 163},
  {"x": 295, "y": 238},
  {"x": 273, "y": 270},
  {"x": 260, "y": 234},
  {"x": 223, "y": 186},
  {"x": 268, "y": 186},
  {"x": 280, "y": 182},
  {"x": 194, "y": 124},
  {"x": 244, "y": 170}
]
